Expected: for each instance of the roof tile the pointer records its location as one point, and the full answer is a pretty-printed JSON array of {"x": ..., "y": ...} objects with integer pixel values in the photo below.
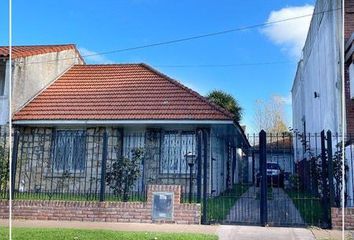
[
  {"x": 119, "y": 92},
  {"x": 25, "y": 51}
]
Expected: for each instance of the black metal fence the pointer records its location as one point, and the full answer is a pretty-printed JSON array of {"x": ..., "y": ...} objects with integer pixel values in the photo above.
[
  {"x": 310, "y": 179},
  {"x": 4, "y": 162},
  {"x": 282, "y": 179},
  {"x": 349, "y": 170},
  {"x": 104, "y": 165},
  {"x": 292, "y": 179}
]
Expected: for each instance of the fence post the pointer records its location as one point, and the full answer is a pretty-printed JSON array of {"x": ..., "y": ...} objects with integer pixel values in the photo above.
[
  {"x": 14, "y": 162},
  {"x": 253, "y": 168},
  {"x": 103, "y": 167},
  {"x": 324, "y": 173},
  {"x": 205, "y": 176},
  {"x": 233, "y": 165},
  {"x": 199, "y": 168},
  {"x": 263, "y": 175},
  {"x": 330, "y": 168}
]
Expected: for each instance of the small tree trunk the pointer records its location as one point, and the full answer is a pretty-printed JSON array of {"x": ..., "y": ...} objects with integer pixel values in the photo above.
[{"x": 125, "y": 192}]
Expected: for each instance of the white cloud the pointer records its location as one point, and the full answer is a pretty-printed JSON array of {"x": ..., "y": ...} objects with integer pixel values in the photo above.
[
  {"x": 95, "y": 58},
  {"x": 289, "y": 35}
]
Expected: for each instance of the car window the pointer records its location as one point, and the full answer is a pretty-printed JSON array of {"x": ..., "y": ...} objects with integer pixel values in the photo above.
[{"x": 273, "y": 166}]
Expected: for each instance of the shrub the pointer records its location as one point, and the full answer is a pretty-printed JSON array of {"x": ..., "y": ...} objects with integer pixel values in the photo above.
[
  {"x": 4, "y": 168},
  {"x": 124, "y": 172}
]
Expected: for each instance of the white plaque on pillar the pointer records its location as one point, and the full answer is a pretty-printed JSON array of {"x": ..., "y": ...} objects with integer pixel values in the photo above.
[{"x": 162, "y": 205}]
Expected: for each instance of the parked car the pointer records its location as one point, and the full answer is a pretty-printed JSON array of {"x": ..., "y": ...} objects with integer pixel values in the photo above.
[{"x": 275, "y": 176}]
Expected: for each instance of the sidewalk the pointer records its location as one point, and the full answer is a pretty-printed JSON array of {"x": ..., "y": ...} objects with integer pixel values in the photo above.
[
  {"x": 225, "y": 232},
  {"x": 322, "y": 234}
]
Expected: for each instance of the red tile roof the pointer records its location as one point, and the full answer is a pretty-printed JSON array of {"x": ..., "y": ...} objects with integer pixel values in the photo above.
[
  {"x": 119, "y": 92},
  {"x": 25, "y": 51}
]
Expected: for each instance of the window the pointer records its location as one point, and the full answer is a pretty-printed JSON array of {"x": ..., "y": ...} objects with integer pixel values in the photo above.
[
  {"x": 175, "y": 147},
  {"x": 351, "y": 80},
  {"x": 69, "y": 150},
  {"x": 132, "y": 140},
  {"x": 2, "y": 79}
]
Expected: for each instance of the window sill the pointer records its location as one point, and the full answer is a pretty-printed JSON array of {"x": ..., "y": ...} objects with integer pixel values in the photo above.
[
  {"x": 176, "y": 175},
  {"x": 60, "y": 175}
]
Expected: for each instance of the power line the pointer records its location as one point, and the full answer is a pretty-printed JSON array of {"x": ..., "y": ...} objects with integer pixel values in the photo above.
[{"x": 193, "y": 37}]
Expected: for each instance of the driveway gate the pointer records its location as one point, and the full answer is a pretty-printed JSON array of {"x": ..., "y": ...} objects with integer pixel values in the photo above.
[{"x": 284, "y": 180}]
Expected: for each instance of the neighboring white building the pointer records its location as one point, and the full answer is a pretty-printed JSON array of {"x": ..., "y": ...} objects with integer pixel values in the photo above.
[
  {"x": 316, "y": 91},
  {"x": 33, "y": 68}
]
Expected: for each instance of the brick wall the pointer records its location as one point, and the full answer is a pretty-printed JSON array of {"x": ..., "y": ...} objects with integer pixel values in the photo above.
[
  {"x": 348, "y": 18},
  {"x": 348, "y": 30},
  {"x": 138, "y": 212},
  {"x": 337, "y": 218},
  {"x": 4, "y": 209}
]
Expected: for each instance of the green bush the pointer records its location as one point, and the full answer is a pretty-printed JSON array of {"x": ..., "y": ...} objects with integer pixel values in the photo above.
[
  {"x": 4, "y": 168},
  {"x": 124, "y": 172}
]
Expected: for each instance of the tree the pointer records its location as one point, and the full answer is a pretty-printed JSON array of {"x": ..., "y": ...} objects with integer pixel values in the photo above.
[
  {"x": 226, "y": 101},
  {"x": 270, "y": 115},
  {"x": 124, "y": 172},
  {"x": 4, "y": 168}
]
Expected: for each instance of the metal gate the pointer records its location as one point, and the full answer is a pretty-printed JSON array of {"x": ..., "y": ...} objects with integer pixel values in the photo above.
[{"x": 293, "y": 180}]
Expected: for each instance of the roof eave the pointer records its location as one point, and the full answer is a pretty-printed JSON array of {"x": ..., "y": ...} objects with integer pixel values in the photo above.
[{"x": 116, "y": 122}]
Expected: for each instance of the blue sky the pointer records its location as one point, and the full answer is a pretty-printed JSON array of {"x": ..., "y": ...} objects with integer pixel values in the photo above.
[{"x": 98, "y": 26}]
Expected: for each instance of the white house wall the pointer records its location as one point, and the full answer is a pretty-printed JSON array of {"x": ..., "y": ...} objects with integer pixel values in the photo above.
[
  {"x": 298, "y": 102},
  {"x": 32, "y": 74},
  {"x": 319, "y": 72},
  {"x": 218, "y": 165}
]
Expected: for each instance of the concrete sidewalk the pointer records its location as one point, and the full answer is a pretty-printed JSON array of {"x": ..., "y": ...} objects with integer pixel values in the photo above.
[
  {"x": 322, "y": 234},
  {"x": 225, "y": 232},
  {"x": 263, "y": 233}
]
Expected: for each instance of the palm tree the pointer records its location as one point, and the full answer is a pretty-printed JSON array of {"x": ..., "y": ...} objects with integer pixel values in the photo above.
[{"x": 226, "y": 101}]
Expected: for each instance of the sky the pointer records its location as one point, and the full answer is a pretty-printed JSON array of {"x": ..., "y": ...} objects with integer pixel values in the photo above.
[{"x": 100, "y": 26}]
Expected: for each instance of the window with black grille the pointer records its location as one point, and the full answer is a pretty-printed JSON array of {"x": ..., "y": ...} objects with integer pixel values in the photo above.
[
  {"x": 69, "y": 151},
  {"x": 176, "y": 146},
  {"x": 2, "y": 78}
]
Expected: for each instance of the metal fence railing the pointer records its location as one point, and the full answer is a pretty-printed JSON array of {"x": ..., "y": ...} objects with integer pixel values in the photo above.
[
  {"x": 285, "y": 179},
  {"x": 103, "y": 165},
  {"x": 302, "y": 172},
  {"x": 349, "y": 173}
]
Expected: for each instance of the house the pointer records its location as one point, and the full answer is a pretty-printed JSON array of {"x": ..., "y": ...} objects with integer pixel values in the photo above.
[
  {"x": 33, "y": 68},
  {"x": 69, "y": 135}
]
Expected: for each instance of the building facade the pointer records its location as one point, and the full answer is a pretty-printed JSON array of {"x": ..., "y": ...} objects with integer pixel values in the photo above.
[
  {"x": 33, "y": 68},
  {"x": 316, "y": 91}
]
